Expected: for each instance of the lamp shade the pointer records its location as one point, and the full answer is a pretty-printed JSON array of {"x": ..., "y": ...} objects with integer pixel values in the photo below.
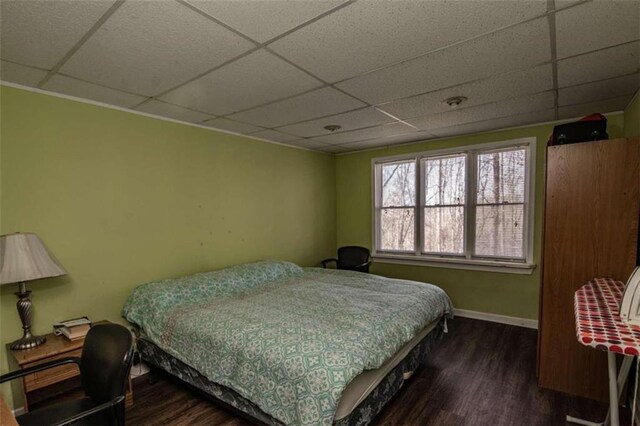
[{"x": 23, "y": 257}]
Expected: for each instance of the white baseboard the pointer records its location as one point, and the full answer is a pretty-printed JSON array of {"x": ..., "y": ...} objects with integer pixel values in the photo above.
[
  {"x": 18, "y": 411},
  {"x": 502, "y": 319}
]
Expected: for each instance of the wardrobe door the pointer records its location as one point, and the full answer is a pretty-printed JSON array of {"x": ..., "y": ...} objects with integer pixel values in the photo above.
[{"x": 590, "y": 230}]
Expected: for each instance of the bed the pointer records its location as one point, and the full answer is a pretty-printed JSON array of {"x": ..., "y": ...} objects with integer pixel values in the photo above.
[{"x": 290, "y": 345}]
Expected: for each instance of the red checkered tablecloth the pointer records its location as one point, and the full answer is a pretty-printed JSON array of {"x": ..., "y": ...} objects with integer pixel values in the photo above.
[{"x": 598, "y": 322}]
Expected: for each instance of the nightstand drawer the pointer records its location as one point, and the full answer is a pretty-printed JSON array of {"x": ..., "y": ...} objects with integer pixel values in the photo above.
[{"x": 52, "y": 375}]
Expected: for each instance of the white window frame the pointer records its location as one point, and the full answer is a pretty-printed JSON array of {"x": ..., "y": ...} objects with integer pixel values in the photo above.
[{"x": 467, "y": 260}]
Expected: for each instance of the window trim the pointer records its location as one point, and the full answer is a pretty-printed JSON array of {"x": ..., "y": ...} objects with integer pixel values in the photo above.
[{"x": 466, "y": 260}]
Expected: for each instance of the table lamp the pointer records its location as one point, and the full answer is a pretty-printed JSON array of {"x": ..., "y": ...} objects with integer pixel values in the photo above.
[{"x": 23, "y": 257}]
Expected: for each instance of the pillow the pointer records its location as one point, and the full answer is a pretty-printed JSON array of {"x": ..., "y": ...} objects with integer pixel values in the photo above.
[{"x": 150, "y": 301}]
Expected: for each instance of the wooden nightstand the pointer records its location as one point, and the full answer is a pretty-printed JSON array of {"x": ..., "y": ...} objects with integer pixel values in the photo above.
[{"x": 58, "y": 379}]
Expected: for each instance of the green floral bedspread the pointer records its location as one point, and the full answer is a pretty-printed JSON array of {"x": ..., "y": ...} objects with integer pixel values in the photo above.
[{"x": 288, "y": 339}]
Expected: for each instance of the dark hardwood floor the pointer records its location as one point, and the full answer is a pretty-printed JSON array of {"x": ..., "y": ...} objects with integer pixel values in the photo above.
[{"x": 480, "y": 374}]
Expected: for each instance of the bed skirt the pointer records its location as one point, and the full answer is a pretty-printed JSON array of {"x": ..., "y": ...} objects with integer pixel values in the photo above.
[{"x": 363, "y": 414}]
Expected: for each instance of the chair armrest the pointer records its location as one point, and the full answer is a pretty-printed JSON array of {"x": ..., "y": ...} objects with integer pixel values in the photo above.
[
  {"x": 44, "y": 366},
  {"x": 368, "y": 262},
  {"x": 90, "y": 412},
  {"x": 326, "y": 261}
]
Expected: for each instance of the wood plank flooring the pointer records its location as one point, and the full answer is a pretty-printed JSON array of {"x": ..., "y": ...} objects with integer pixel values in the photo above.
[{"x": 481, "y": 373}]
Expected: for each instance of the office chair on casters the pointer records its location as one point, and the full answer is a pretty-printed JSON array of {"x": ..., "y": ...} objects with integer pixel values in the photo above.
[
  {"x": 104, "y": 365},
  {"x": 353, "y": 258}
]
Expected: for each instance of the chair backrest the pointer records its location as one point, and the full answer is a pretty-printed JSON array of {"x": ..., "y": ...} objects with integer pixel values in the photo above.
[
  {"x": 354, "y": 258},
  {"x": 106, "y": 361}
]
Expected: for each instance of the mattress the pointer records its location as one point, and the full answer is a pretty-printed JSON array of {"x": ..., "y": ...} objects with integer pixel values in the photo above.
[
  {"x": 366, "y": 397},
  {"x": 363, "y": 384}
]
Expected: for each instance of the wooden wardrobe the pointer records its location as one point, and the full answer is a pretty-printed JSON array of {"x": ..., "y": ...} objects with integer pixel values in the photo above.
[{"x": 590, "y": 230}]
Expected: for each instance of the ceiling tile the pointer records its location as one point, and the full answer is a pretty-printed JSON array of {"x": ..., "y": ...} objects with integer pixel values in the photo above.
[
  {"x": 40, "y": 33},
  {"x": 272, "y": 135},
  {"x": 604, "y": 106},
  {"x": 365, "y": 35},
  {"x": 332, "y": 149},
  {"x": 263, "y": 20},
  {"x": 314, "y": 104},
  {"x": 532, "y": 103},
  {"x": 20, "y": 74},
  {"x": 497, "y": 124},
  {"x": 253, "y": 80},
  {"x": 596, "y": 91},
  {"x": 390, "y": 140},
  {"x": 147, "y": 47},
  {"x": 596, "y": 25},
  {"x": 608, "y": 63},
  {"x": 562, "y": 4},
  {"x": 368, "y": 144},
  {"x": 232, "y": 126},
  {"x": 349, "y": 121},
  {"x": 514, "y": 48},
  {"x": 71, "y": 86},
  {"x": 311, "y": 144},
  {"x": 369, "y": 133},
  {"x": 172, "y": 111},
  {"x": 495, "y": 88}
]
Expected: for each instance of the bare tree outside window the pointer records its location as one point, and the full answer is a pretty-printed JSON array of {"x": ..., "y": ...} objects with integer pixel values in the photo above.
[
  {"x": 397, "y": 215},
  {"x": 500, "y": 204},
  {"x": 444, "y": 199}
]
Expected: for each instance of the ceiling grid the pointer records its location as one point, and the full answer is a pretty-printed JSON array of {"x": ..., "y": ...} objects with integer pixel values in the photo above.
[
  {"x": 551, "y": 16},
  {"x": 379, "y": 69},
  {"x": 80, "y": 42}
]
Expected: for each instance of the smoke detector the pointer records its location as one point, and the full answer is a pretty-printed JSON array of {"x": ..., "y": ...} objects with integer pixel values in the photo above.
[
  {"x": 454, "y": 101},
  {"x": 333, "y": 127}
]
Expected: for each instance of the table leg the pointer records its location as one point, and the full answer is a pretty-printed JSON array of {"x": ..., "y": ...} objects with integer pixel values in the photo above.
[
  {"x": 613, "y": 389},
  {"x": 622, "y": 380},
  {"x": 616, "y": 387}
]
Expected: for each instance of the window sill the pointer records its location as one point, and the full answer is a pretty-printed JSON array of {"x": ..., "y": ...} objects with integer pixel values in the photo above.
[{"x": 473, "y": 265}]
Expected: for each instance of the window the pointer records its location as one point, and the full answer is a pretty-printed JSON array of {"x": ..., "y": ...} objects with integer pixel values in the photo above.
[
  {"x": 444, "y": 201},
  {"x": 397, "y": 216},
  {"x": 467, "y": 205}
]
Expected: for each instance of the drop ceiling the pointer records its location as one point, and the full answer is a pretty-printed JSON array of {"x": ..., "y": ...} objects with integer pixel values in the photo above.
[{"x": 283, "y": 70}]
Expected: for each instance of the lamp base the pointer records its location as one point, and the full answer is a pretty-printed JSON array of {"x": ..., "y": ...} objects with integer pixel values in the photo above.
[{"x": 28, "y": 342}]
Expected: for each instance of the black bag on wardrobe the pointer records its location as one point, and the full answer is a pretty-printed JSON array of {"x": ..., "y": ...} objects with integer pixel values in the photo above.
[{"x": 590, "y": 128}]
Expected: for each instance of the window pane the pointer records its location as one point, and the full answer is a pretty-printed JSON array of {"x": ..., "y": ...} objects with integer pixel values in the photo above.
[
  {"x": 444, "y": 180},
  {"x": 397, "y": 229},
  {"x": 444, "y": 229},
  {"x": 501, "y": 177},
  {"x": 500, "y": 230},
  {"x": 399, "y": 184}
]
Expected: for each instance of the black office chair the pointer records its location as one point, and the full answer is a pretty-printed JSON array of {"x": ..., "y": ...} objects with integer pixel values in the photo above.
[
  {"x": 352, "y": 258},
  {"x": 104, "y": 365}
]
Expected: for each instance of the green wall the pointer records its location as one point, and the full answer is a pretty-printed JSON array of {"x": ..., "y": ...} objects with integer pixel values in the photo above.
[
  {"x": 632, "y": 117},
  {"x": 497, "y": 293},
  {"x": 122, "y": 199}
]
